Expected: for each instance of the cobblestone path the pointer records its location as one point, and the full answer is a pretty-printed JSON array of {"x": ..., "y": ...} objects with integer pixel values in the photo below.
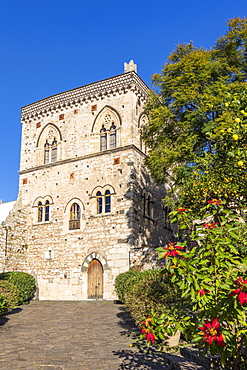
[{"x": 70, "y": 335}]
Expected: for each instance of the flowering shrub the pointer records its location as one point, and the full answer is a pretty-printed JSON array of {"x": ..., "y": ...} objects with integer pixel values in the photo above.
[
  {"x": 211, "y": 332},
  {"x": 210, "y": 273},
  {"x": 241, "y": 290},
  {"x": 147, "y": 330}
]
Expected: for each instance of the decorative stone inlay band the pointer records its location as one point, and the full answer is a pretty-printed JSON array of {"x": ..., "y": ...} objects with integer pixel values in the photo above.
[
  {"x": 91, "y": 257},
  {"x": 85, "y": 157},
  {"x": 125, "y": 81}
]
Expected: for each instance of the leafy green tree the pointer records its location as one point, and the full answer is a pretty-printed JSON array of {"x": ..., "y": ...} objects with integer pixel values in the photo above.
[{"x": 197, "y": 130}]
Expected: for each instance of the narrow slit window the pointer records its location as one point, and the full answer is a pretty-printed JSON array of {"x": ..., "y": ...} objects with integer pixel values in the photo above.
[
  {"x": 103, "y": 139},
  {"x": 46, "y": 153},
  {"x": 54, "y": 151},
  {"x": 47, "y": 210},
  {"x": 107, "y": 201},
  {"x": 99, "y": 202},
  {"x": 40, "y": 212},
  {"x": 150, "y": 207},
  {"x": 113, "y": 136},
  {"x": 144, "y": 205}
]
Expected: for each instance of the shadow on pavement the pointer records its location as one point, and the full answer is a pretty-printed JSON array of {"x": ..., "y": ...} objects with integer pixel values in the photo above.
[
  {"x": 128, "y": 324},
  {"x": 4, "y": 319},
  {"x": 136, "y": 358},
  {"x": 141, "y": 361}
]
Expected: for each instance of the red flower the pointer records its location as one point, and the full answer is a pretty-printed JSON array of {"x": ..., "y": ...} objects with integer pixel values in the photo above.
[
  {"x": 202, "y": 292},
  {"x": 212, "y": 333},
  {"x": 210, "y": 226},
  {"x": 241, "y": 290},
  {"x": 147, "y": 321},
  {"x": 216, "y": 202},
  {"x": 147, "y": 330},
  {"x": 172, "y": 249},
  {"x": 180, "y": 209}
]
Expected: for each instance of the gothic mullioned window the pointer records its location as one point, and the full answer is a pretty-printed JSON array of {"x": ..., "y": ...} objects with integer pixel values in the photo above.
[
  {"x": 103, "y": 202},
  {"x": 43, "y": 211},
  {"x": 49, "y": 145},
  {"x": 75, "y": 217},
  {"x": 108, "y": 133},
  {"x": 50, "y": 149}
]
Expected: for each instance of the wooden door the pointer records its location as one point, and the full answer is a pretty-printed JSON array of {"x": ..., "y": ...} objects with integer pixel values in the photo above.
[{"x": 95, "y": 280}]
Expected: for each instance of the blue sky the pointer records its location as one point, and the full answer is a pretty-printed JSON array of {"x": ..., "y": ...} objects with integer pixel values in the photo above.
[{"x": 47, "y": 47}]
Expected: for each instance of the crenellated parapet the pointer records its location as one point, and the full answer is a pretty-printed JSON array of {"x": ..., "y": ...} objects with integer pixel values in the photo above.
[{"x": 111, "y": 86}]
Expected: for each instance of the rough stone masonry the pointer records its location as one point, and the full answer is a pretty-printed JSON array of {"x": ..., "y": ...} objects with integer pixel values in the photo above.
[{"x": 87, "y": 208}]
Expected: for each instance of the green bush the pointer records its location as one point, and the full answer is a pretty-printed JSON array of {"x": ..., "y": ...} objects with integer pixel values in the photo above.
[
  {"x": 8, "y": 297},
  {"x": 25, "y": 284},
  {"x": 124, "y": 282},
  {"x": 146, "y": 290}
]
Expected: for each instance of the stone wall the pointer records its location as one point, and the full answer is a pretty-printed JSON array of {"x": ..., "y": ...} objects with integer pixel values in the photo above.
[{"x": 122, "y": 237}]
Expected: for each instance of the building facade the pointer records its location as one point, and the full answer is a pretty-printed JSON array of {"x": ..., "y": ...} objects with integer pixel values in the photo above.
[{"x": 87, "y": 208}]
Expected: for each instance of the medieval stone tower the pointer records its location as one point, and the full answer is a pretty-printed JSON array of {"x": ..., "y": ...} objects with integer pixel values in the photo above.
[{"x": 87, "y": 208}]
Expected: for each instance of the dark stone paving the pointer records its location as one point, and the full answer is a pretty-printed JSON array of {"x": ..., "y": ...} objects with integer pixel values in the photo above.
[{"x": 55, "y": 335}]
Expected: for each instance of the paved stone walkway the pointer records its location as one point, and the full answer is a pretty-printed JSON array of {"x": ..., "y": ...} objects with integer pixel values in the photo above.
[{"x": 47, "y": 335}]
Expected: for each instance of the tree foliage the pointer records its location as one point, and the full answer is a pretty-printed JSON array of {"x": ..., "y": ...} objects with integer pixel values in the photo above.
[{"x": 197, "y": 129}]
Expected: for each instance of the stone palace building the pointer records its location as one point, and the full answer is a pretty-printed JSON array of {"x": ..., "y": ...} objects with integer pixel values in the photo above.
[{"x": 87, "y": 207}]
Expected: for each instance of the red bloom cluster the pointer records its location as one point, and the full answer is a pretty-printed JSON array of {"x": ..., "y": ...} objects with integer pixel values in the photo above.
[
  {"x": 241, "y": 290},
  {"x": 212, "y": 333},
  {"x": 210, "y": 226},
  {"x": 172, "y": 250},
  {"x": 216, "y": 202},
  {"x": 147, "y": 330},
  {"x": 202, "y": 292},
  {"x": 181, "y": 209}
]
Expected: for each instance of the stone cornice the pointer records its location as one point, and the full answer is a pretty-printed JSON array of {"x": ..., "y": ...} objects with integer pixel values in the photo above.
[
  {"x": 74, "y": 97},
  {"x": 88, "y": 156}
]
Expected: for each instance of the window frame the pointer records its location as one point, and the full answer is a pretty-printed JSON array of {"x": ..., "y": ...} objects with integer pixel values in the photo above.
[
  {"x": 75, "y": 217},
  {"x": 43, "y": 212}
]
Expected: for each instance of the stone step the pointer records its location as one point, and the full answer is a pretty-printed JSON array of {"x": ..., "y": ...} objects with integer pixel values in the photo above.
[
  {"x": 179, "y": 362},
  {"x": 207, "y": 361}
]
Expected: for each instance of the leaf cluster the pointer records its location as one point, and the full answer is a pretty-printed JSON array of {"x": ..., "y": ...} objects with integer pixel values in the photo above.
[{"x": 197, "y": 129}]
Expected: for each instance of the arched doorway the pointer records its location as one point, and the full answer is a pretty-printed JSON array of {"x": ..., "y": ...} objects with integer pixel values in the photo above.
[{"x": 95, "y": 280}]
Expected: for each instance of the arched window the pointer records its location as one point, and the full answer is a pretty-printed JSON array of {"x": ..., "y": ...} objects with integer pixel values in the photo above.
[
  {"x": 107, "y": 201},
  {"x": 46, "y": 152},
  {"x": 99, "y": 202},
  {"x": 40, "y": 212},
  {"x": 47, "y": 210},
  {"x": 75, "y": 216},
  {"x": 103, "y": 138},
  {"x": 113, "y": 136},
  {"x": 54, "y": 151},
  {"x": 48, "y": 145}
]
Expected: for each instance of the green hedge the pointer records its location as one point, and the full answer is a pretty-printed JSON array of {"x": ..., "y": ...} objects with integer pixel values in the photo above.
[
  {"x": 124, "y": 282},
  {"x": 146, "y": 290},
  {"x": 8, "y": 296},
  {"x": 25, "y": 284}
]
